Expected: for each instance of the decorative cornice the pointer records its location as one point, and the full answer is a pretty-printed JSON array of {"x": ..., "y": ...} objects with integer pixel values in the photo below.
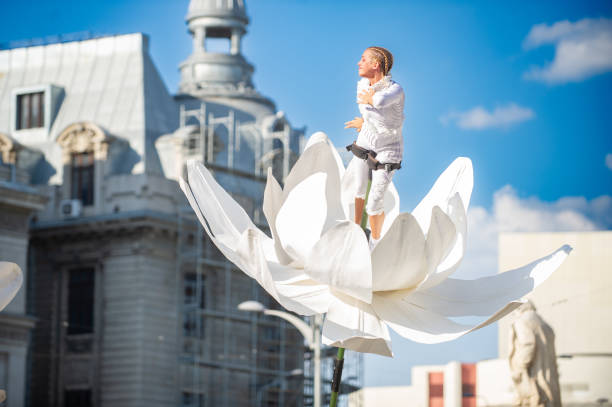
[
  {"x": 22, "y": 197},
  {"x": 15, "y": 327},
  {"x": 110, "y": 224}
]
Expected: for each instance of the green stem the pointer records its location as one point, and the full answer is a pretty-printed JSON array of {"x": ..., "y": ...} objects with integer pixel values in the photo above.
[
  {"x": 339, "y": 363},
  {"x": 364, "y": 214}
]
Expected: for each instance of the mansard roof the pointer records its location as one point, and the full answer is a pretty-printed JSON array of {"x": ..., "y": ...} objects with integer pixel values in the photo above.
[{"x": 110, "y": 81}]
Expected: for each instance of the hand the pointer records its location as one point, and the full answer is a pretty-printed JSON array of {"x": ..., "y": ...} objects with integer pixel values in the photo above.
[
  {"x": 366, "y": 97},
  {"x": 356, "y": 123}
]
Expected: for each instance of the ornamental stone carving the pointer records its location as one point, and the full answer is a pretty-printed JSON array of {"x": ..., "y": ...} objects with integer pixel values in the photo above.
[
  {"x": 83, "y": 137},
  {"x": 9, "y": 149}
]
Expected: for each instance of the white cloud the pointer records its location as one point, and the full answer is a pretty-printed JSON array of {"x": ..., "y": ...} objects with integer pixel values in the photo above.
[
  {"x": 510, "y": 213},
  {"x": 479, "y": 118},
  {"x": 609, "y": 161},
  {"x": 582, "y": 49}
]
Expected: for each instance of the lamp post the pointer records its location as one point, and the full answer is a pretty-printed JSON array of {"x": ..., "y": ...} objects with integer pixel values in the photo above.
[{"x": 312, "y": 336}]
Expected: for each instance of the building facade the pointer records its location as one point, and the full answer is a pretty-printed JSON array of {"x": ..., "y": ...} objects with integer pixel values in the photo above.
[{"x": 126, "y": 302}]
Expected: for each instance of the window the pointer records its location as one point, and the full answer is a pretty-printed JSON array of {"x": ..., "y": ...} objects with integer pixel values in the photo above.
[
  {"x": 81, "y": 301},
  {"x": 195, "y": 300},
  {"x": 30, "y": 110},
  {"x": 191, "y": 291},
  {"x": 4, "y": 369},
  {"x": 83, "y": 177},
  {"x": 192, "y": 400},
  {"x": 77, "y": 398}
]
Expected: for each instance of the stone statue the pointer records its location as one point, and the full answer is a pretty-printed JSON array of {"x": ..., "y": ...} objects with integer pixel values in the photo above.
[{"x": 533, "y": 361}]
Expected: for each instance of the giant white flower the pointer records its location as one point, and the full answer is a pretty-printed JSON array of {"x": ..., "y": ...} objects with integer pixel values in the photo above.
[
  {"x": 11, "y": 280},
  {"x": 318, "y": 260}
]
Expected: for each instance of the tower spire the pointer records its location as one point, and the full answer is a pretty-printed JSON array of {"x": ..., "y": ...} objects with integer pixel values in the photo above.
[{"x": 216, "y": 66}]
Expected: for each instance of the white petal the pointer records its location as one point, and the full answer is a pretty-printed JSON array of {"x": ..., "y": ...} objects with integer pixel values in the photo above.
[
  {"x": 318, "y": 158},
  {"x": 229, "y": 237},
  {"x": 483, "y": 296},
  {"x": 11, "y": 280},
  {"x": 398, "y": 259},
  {"x": 440, "y": 240},
  {"x": 457, "y": 178},
  {"x": 225, "y": 218},
  {"x": 319, "y": 137},
  {"x": 309, "y": 299},
  {"x": 341, "y": 259},
  {"x": 353, "y": 324},
  {"x": 422, "y": 325},
  {"x": 349, "y": 189},
  {"x": 273, "y": 197},
  {"x": 301, "y": 219},
  {"x": 455, "y": 240},
  {"x": 313, "y": 295}
]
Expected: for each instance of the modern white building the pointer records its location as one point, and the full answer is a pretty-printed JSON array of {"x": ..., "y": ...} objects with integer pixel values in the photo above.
[
  {"x": 126, "y": 302},
  {"x": 574, "y": 301}
]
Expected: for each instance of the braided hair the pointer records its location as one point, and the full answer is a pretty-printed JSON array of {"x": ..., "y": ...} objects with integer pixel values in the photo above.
[{"x": 383, "y": 57}]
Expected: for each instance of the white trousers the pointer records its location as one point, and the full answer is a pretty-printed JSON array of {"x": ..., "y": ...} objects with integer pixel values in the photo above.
[{"x": 380, "y": 182}]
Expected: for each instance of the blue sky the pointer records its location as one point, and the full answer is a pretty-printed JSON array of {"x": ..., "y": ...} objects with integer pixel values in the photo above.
[{"x": 482, "y": 79}]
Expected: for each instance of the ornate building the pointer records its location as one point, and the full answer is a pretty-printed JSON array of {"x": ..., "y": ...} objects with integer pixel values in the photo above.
[{"x": 126, "y": 302}]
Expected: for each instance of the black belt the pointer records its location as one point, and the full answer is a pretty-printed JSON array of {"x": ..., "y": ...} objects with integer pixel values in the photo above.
[{"x": 370, "y": 156}]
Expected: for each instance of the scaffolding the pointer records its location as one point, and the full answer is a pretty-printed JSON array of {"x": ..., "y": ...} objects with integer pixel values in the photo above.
[
  {"x": 228, "y": 357},
  {"x": 352, "y": 376}
]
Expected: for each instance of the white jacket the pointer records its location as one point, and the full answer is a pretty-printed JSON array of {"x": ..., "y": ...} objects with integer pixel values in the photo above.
[{"x": 382, "y": 121}]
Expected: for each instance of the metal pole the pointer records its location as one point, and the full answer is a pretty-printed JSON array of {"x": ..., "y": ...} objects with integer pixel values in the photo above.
[
  {"x": 339, "y": 362},
  {"x": 317, "y": 361}
]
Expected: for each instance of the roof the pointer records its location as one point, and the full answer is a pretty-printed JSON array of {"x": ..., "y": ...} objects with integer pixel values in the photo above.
[
  {"x": 110, "y": 81},
  {"x": 217, "y": 8}
]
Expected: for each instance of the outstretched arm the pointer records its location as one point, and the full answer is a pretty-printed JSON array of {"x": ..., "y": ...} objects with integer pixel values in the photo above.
[{"x": 356, "y": 123}]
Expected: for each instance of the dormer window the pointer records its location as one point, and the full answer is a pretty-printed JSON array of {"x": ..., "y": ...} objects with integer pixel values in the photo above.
[
  {"x": 30, "y": 110},
  {"x": 33, "y": 111}
]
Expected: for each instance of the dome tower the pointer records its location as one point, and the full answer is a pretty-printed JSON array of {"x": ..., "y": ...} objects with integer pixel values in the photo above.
[{"x": 216, "y": 66}]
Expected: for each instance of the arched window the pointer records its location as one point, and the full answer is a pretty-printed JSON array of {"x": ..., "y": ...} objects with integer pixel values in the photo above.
[{"x": 84, "y": 145}]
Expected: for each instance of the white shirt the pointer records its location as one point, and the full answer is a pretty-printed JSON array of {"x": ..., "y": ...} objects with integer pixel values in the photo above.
[{"x": 382, "y": 121}]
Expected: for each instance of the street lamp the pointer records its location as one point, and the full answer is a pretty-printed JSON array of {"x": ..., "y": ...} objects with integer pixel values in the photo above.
[{"x": 312, "y": 336}]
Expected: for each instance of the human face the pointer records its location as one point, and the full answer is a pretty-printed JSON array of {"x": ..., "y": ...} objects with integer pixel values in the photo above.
[{"x": 368, "y": 66}]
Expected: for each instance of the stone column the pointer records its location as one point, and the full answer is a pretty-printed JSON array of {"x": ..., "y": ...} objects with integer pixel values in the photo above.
[
  {"x": 199, "y": 38},
  {"x": 236, "y": 40}
]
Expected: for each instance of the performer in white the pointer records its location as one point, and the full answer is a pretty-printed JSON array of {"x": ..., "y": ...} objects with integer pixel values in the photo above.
[{"x": 379, "y": 146}]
